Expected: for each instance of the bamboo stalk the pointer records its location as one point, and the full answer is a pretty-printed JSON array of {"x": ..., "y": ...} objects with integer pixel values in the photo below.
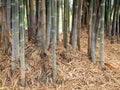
[
  {"x": 14, "y": 47},
  {"x": 53, "y": 39},
  {"x": 32, "y": 18},
  {"x": 66, "y": 6},
  {"x": 117, "y": 20},
  {"x": 62, "y": 15},
  {"x": 79, "y": 23},
  {"x": 17, "y": 27},
  {"x": 90, "y": 29},
  {"x": 71, "y": 33},
  {"x": 74, "y": 38},
  {"x": 48, "y": 21},
  {"x": 102, "y": 33},
  {"x": 118, "y": 23},
  {"x": 22, "y": 43},
  {"x": 93, "y": 32},
  {"x": 36, "y": 15},
  {"x": 5, "y": 34},
  {"x": 97, "y": 25},
  {"x": 43, "y": 27},
  {"x": 58, "y": 12},
  {"x": 110, "y": 15},
  {"x": 8, "y": 9},
  {"x": 114, "y": 23},
  {"x": 28, "y": 20}
]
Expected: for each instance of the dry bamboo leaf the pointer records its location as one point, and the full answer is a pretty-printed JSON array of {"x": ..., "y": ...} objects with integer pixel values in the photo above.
[{"x": 75, "y": 72}]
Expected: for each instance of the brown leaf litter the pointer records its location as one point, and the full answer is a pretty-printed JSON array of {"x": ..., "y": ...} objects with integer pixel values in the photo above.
[{"x": 74, "y": 72}]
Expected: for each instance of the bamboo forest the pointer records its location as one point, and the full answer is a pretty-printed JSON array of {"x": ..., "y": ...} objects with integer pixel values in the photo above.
[{"x": 59, "y": 44}]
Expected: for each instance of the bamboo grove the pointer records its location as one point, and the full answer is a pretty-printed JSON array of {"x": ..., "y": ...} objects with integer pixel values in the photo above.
[{"x": 43, "y": 24}]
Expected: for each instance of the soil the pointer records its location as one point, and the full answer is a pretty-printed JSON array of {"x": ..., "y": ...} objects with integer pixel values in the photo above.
[{"x": 74, "y": 71}]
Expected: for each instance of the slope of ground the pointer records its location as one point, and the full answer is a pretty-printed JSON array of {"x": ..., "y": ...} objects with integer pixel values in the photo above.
[{"x": 74, "y": 72}]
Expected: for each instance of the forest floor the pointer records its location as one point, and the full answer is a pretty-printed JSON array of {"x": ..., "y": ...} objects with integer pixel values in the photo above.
[{"x": 74, "y": 72}]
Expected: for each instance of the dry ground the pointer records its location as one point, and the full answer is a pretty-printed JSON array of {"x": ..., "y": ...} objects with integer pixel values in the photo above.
[{"x": 74, "y": 72}]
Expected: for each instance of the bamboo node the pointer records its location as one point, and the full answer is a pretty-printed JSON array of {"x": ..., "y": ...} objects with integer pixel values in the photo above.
[
  {"x": 101, "y": 32},
  {"x": 12, "y": 4},
  {"x": 21, "y": 6},
  {"x": 21, "y": 24},
  {"x": 17, "y": 32},
  {"x": 102, "y": 19},
  {"x": 102, "y": 4}
]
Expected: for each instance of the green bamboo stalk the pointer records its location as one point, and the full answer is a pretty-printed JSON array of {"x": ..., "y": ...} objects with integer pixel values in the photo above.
[
  {"x": 28, "y": 21},
  {"x": 22, "y": 42},
  {"x": 5, "y": 30},
  {"x": 93, "y": 32},
  {"x": 24, "y": 3},
  {"x": 14, "y": 41},
  {"x": 62, "y": 14},
  {"x": 3, "y": 21},
  {"x": 110, "y": 13},
  {"x": 71, "y": 33},
  {"x": 41, "y": 35},
  {"x": 17, "y": 27},
  {"x": 36, "y": 15},
  {"x": 90, "y": 28},
  {"x": 118, "y": 22},
  {"x": 106, "y": 12},
  {"x": 102, "y": 33},
  {"x": 97, "y": 25},
  {"x": 32, "y": 18},
  {"x": 74, "y": 38},
  {"x": 79, "y": 23},
  {"x": 4, "y": 2},
  {"x": 69, "y": 17},
  {"x": 58, "y": 12},
  {"x": 66, "y": 6},
  {"x": 84, "y": 16},
  {"x": 0, "y": 21},
  {"x": 56, "y": 19},
  {"x": 53, "y": 38},
  {"x": 114, "y": 23},
  {"x": 8, "y": 9},
  {"x": 87, "y": 13},
  {"x": 48, "y": 21},
  {"x": 43, "y": 27},
  {"x": 0, "y": 3}
]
